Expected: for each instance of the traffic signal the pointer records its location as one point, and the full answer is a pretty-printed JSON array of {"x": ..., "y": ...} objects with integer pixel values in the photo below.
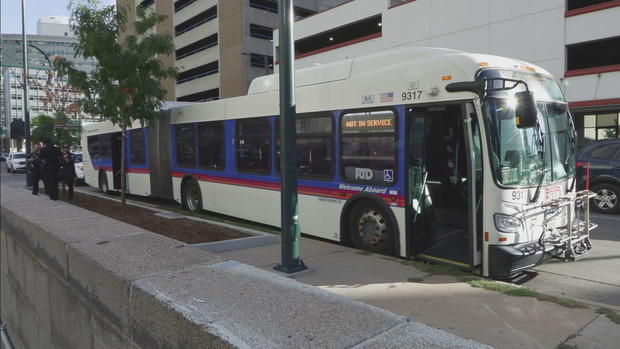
[{"x": 18, "y": 129}]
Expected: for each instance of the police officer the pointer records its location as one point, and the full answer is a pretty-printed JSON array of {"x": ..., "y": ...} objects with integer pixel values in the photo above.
[
  {"x": 51, "y": 156},
  {"x": 67, "y": 170},
  {"x": 37, "y": 172}
]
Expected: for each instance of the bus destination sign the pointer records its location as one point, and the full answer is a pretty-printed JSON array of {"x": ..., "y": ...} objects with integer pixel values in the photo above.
[{"x": 368, "y": 122}]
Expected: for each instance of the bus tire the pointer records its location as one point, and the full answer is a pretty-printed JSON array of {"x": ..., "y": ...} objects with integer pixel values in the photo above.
[
  {"x": 191, "y": 197},
  {"x": 370, "y": 228},
  {"x": 607, "y": 199},
  {"x": 103, "y": 183}
]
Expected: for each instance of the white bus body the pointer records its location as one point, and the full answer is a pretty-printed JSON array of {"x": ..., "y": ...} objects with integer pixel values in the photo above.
[{"x": 437, "y": 167}]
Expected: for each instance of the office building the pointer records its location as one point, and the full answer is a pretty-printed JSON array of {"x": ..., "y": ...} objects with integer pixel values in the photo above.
[
  {"x": 578, "y": 41},
  {"x": 220, "y": 45}
]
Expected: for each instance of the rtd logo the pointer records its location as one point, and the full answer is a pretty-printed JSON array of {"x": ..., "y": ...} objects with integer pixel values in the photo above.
[{"x": 363, "y": 173}]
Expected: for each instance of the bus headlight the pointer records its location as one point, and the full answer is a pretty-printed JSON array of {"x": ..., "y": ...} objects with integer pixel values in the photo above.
[{"x": 507, "y": 224}]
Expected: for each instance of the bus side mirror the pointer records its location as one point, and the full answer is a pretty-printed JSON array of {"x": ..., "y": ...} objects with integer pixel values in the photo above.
[{"x": 526, "y": 111}]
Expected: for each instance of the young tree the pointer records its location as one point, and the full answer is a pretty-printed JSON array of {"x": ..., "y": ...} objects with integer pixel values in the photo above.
[
  {"x": 62, "y": 99},
  {"x": 42, "y": 127},
  {"x": 125, "y": 86}
]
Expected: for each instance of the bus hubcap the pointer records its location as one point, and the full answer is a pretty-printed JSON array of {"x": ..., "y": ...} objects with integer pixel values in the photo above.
[
  {"x": 371, "y": 227},
  {"x": 192, "y": 199},
  {"x": 606, "y": 199}
]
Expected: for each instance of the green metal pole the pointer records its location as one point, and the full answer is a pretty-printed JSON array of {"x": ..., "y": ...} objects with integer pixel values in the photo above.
[
  {"x": 290, "y": 260},
  {"x": 26, "y": 96}
]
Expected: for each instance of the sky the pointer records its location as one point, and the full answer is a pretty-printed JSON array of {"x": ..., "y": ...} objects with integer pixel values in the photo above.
[{"x": 35, "y": 9}]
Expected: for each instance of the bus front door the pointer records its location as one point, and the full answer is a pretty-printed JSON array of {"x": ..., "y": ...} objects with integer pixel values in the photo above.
[{"x": 444, "y": 201}]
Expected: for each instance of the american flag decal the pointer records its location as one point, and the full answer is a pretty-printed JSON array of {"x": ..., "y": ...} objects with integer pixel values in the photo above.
[{"x": 387, "y": 97}]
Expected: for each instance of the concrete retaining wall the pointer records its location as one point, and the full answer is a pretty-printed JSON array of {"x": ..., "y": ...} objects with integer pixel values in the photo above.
[{"x": 72, "y": 278}]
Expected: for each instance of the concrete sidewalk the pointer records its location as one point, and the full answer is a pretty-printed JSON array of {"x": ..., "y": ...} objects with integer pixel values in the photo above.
[{"x": 439, "y": 301}]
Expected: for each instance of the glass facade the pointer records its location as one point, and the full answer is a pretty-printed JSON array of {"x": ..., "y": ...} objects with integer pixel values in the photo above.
[{"x": 593, "y": 126}]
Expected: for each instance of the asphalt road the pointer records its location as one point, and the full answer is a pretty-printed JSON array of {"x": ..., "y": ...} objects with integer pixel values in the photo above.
[{"x": 594, "y": 278}]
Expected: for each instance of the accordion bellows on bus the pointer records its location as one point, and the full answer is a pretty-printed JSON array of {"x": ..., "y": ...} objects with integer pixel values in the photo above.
[{"x": 427, "y": 153}]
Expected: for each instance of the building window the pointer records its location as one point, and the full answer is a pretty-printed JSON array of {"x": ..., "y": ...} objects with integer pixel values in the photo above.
[
  {"x": 314, "y": 146},
  {"x": 597, "y": 125},
  {"x": 197, "y": 46},
  {"x": 198, "y": 72},
  {"x": 261, "y": 32},
  {"x": 195, "y": 21},
  {"x": 181, "y": 4},
  {"x": 185, "y": 145},
  {"x": 369, "y": 147},
  {"x": 211, "y": 145},
  {"x": 338, "y": 36},
  {"x": 261, "y": 61},
  {"x": 593, "y": 54},
  {"x": 575, "y": 4},
  {"x": 138, "y": 147},
  {"x": 146, "y": 3},
  {"x": 272, "y": 6},
  {"x": 253, "y": 139},
  {"x": 208, "y": 95}
]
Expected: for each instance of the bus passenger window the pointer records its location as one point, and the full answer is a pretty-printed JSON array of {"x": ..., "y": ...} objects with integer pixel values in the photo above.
[
  {"x": 105, "y": 146},
  {"x": 93, "y": 147},
  {"x": 254, "y": 145},
  {"x": 314, "y": 146},
  {"x": 185, "y": 146},
  {"x": 137, "y": 150},
  {"x": 369, "y": 148},
  {"x": 211, "y": 145}
]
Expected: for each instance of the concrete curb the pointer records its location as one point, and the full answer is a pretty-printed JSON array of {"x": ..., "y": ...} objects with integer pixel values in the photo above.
[{"x": 115, "y": 285}]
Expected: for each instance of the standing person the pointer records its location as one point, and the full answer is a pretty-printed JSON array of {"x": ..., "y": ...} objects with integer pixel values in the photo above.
[
  {"x": 34, "y": 158},
  {"x": 51, "y": 156},
  {"x": 67, "y": 170}
]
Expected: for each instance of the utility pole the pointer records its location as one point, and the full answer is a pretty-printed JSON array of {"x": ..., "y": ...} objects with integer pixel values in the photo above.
[
  {"x": 26, "y": 96},
  {"x": 291, "y": 232}
]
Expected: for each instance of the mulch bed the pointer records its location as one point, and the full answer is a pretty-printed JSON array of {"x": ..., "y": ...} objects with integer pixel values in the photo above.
[{"x": 182, "y": 229}]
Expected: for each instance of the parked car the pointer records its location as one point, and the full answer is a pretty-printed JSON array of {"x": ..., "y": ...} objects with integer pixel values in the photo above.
[
  {"x": 16, "y": 162},
  {"x": 603, "y": 158},
  {"x": 79, "y": 168},
  {"x": 3, "y": 156}
]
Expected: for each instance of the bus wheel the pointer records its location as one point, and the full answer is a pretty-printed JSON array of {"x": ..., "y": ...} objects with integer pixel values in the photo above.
[
  {"x": 370, "y": 228},
  {"x": 103, "y": 182},
  {"x": 191, "y": 197}
]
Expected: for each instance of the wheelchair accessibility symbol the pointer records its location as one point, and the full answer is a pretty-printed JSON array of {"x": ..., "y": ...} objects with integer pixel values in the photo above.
[{"x": 388, "y": 175}]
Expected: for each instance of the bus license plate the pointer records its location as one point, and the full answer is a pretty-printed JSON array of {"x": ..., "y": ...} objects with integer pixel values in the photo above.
[{"x": 552, "y": 193}]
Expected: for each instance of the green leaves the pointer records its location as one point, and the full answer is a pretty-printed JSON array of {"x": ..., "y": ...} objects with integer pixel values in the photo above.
[{"x": 125, "y": 86}]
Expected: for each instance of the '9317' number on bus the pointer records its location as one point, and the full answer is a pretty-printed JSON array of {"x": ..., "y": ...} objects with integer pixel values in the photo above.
[{"x": 411, "y": 95}]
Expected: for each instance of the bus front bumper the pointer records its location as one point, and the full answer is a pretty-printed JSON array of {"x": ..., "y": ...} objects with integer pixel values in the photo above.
[{"x": 506, "y": 261}]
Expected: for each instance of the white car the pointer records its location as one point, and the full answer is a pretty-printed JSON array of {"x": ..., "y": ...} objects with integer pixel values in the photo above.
[
  {"x": 16, "y": 162},
  {"x": 79, "y": 168}
]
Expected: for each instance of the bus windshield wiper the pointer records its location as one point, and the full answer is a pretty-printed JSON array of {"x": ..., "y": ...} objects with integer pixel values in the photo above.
[{"x": 543, "y": 170}]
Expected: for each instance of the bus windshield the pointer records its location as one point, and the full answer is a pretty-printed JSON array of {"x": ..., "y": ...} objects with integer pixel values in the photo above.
[{"x": 520, "y": 157}]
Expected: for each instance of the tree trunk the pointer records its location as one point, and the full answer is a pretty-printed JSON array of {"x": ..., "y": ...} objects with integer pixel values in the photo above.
[{"x": 123, "y": 184}]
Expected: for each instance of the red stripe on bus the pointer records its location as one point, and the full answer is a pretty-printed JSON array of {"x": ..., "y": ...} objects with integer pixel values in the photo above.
[
  {"x": 397, "y": 200},
  {"x": 139, "y": 170}
]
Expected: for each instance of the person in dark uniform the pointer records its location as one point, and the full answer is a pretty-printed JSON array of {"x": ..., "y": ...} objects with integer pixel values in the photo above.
[
  {"x": 51, "y": 156},
  {"x": 37, "y": 172},
  {"x": 67, "y": 170}
]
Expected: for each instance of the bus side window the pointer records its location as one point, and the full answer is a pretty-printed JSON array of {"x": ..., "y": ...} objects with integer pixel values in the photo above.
[
  {"x": 314, "y": 146},
  {"x": 93, "y": 147},
  {"x": 253, "y": 145},
  {"x": 185, "y": 145},
  {"x": 211, "y": 148},
  {"x": 137, "y": 149},
  {"x": 368, "y": 153}
]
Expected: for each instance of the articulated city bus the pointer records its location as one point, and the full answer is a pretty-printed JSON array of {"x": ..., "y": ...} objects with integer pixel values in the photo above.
[{"x": 431, "y": 153}]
